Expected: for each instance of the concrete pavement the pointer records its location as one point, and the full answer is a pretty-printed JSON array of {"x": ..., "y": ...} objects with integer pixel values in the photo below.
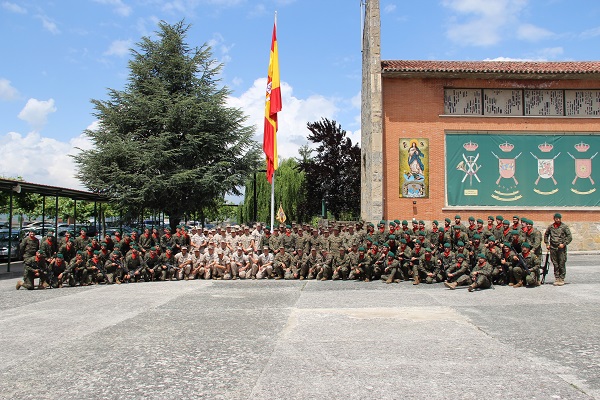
[{"x": 303, "y": 340}]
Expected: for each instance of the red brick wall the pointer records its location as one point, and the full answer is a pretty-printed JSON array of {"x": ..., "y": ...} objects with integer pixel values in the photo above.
[{"x": 412, "y": 109}]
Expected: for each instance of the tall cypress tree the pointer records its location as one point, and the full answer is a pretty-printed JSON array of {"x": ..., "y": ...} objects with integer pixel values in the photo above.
[{"x": 168, "y": 141}]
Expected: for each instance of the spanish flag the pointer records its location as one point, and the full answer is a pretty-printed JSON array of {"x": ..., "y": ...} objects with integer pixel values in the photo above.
[{"x": 272, "y": 107}]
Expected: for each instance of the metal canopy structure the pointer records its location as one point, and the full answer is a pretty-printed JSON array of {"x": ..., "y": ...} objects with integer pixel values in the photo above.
[
  {"x": 13, "y": 186},
  {"x": 10, "y": 185}
]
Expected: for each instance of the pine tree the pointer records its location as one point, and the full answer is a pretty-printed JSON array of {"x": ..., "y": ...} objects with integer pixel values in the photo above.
[{"x": 168, "y": 141}]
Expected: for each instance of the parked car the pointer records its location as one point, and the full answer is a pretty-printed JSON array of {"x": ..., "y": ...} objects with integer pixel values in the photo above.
[{"x": 13, "y": 242}]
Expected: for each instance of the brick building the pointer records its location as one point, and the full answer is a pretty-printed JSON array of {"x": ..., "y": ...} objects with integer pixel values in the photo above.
[{"x": 441, "y": 138}]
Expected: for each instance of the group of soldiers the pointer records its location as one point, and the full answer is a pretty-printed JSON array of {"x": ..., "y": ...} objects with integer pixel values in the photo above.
[{"x": 475, "y": 255}]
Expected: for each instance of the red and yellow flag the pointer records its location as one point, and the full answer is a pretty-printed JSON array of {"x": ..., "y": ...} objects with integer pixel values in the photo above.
[{"x": 272, "y": 107}]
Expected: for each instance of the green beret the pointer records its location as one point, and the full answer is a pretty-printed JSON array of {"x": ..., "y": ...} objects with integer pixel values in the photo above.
[
  {"x": 391, "y": 254},
  {"x": 515, "y": 216},
  {"x": 435, "y": 222},
  {"x": 514, "y": 232},
  {"x": 490, "y": 217},
  {"x": 153, "y": 248},
  {"x": 392, "y": 237},
  {"x": 103, "y": 244},
  {"x": 526, "y": 244},
  {"x": 456, "y": 226},
  {"x": 371, "y": 225},
  {"x": 492, "y": 238},
  {"x": 471, "y": 218},
  {"x": 500, "y": 217},
  {"x": 80, "y": 252},
  {"x": 476, "y": 236},
  {"x": 59, "y": 255},
  {"x": 427, "y": 250},
  {"x": 361, "y": 248},
  {"x": 386, "y": 245},
  {"x": 507, "y": 244},
  {"x": 83, "y": 228},
  {"x": 480, "y": 255},
  {"x": 404, "y": 222},
  {"x": 447, "y": 245},
  {"x": 557, "y": 215},
  {"x": 460, "y": 255},
  {"x": 382, "y": 222},
  {"x": 375, "y": 243},
  {"x": 397, "y": 221},
  {"x": 460, "y": 243},
  {"x": 288, "y": 226},
  {"x": 421, "y": 222},
  {"x": 117, "y": 253},
  {"x": 96, "y": 252},
  {"x": 421, "y": 233},
  {"x": 403, "y": 241},
  {"x": 392, "y": 224},
  {"x": 480, "y": 220},
  {"x": 506, "y": 222},
  {"x": 447, "y": 220},
  {"x": 457, "y": 216}
]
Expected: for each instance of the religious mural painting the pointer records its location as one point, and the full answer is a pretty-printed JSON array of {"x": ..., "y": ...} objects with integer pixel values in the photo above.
[
  {"x": 547, "y": 178},
  {"x": 414, "y": 168}
]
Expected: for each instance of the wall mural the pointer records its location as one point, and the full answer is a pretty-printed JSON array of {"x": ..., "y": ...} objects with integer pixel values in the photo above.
[
  {"x": 521, "y": 169},
  {"x": 414, "y": 168}
]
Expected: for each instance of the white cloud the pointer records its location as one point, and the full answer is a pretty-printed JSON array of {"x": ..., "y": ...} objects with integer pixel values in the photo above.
[
  {"x": 294, "y": 116},
  {"x": 590, "y": 33},
  {"x": 40, "y": 159},
  {"x": 120, "y": 8},
  {"x": 533, "y": 33},
  {"x": 545, "y": 54},
  {"x": 486, "y": 20},
  {"x": 7, "y": 92},
  {"x": 119, "y": 48},
  {"x": 48, "y": 24},
  {"x": 389, "y": 8},
  {"x": 12, "y": 7},
  {"x": 36, "y": 112}
]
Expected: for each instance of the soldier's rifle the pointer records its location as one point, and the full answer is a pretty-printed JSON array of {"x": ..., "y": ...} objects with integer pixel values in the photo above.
[{"x": 545, "y": 268}]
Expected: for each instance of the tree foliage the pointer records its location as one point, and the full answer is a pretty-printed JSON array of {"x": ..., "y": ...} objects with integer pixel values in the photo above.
[
  {"x": 168, "y": 141},
  {"x": 289, "y": 182},
  {"x": 333, "y": 173}
]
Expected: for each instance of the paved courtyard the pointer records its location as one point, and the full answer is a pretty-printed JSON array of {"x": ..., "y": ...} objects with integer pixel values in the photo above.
[{"x": 303, "y": 340}]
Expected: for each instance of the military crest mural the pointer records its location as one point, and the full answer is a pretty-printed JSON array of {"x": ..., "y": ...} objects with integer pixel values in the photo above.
[
  {"x": 414, "y": 168},
  {"x": 521, "y": 170}
]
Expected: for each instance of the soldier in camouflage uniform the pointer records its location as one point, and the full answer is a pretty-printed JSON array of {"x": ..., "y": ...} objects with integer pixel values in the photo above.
[
  {"x": 428, "y": 269},
  {"x": 361, "y": 266},
  {"x": 480, "y": 277},
  {"x": 298, "y": 261},
  {"x": 390, "y": 268},
  {"x": 29, "y": 246},
  {"x": 313, "y": 264},
  {"x": 282, "y": 262},
  {"x": 532, "y": 262},
  {"x": 556, "y": 238},
  {"x": 456, "y": 271},
  {"x": 35, "y": 267},
  {"x": 341, "y": 265}
]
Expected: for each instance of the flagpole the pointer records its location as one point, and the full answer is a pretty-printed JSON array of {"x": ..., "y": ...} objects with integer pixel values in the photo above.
[{"x": 273, "y": 203}]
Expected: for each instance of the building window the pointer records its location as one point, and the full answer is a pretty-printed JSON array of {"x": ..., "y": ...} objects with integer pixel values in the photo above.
[{"x": 522, "y": 102}]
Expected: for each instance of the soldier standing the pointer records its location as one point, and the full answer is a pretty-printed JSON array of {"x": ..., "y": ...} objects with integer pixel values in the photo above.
[{"x": 557, "y": 238}]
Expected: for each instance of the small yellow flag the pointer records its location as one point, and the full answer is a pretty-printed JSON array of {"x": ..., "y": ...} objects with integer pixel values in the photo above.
[{"x": 281, "y": 215}]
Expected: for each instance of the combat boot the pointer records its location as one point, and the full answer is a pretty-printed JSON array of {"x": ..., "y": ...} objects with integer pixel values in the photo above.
[
  {"x": 390, "y": 279},
  {"x": 450, "y": 285},
  {"x": 518, "y": 284},
  {"x": 561, "y": 282},
  {"x": 471, "y": 288},
  {"x": 416, "y": 281},
  {"x": 19, "y": 284}
]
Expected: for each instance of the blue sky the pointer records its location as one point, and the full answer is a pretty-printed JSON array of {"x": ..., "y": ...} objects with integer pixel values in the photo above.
[{"x": 57, "y": 55}]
